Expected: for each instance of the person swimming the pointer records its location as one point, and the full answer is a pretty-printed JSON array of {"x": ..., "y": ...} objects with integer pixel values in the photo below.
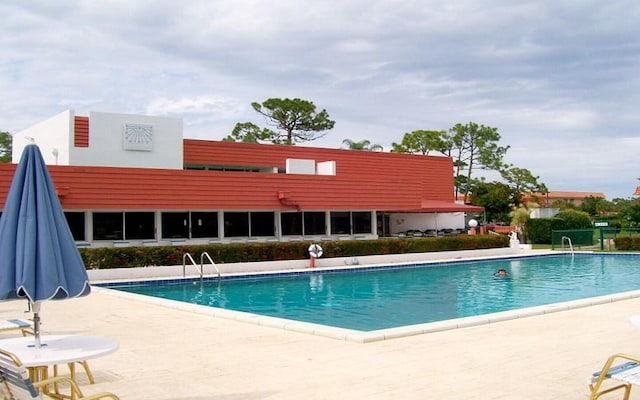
[{"x": 501, "y": 272}]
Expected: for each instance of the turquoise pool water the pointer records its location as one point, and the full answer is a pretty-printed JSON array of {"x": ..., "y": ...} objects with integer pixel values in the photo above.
[{"x": 386, "y": 297}]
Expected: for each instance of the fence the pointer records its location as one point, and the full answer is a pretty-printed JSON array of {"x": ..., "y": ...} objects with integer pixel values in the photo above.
[{"x": 601, "y": 238}]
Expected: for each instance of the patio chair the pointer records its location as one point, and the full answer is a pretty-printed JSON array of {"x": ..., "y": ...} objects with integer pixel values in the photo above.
[
  {"x": 622, "y": 369},
  {"x": 13, "y": 324},
  {"x": 72, "y": 365},
  {"x": 16, "y": 383}
]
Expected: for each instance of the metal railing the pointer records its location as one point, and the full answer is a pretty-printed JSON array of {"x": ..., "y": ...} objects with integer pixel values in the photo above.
[
  {"x": 568, "y": 239},
  {"x": 202, "y": 257},
  {"x": 184, "y": 265}
]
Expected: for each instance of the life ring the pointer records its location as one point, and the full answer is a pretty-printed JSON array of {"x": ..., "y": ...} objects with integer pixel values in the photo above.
[{"x": 315, "y": 250}]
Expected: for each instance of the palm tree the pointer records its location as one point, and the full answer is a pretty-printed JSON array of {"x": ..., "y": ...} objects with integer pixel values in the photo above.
[{"x": 362, "y": 145}]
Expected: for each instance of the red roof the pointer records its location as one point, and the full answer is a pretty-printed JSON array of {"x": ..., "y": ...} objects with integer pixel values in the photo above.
[
  {"x": 364, "y": 181},
  {"x": 637, "y": 193}
]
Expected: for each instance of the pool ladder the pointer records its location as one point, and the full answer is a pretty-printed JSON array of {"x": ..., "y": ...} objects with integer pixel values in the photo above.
[
  {"x": 568, "y": 239},
  {"x": 200, "y": 267}
]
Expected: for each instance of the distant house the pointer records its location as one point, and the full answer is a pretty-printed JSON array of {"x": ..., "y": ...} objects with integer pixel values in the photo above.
[
  {"x": 637, "y": 192},
  {"x": 127, "y": 180},
  {"x": 575, "y": 198}
]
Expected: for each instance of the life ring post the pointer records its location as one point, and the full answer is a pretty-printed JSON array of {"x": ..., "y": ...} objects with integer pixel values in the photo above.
[{"x": 315, "y": 251}]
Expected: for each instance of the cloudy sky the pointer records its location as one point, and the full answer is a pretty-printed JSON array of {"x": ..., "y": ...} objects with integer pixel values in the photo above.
[{"x": 559, "y": 79}]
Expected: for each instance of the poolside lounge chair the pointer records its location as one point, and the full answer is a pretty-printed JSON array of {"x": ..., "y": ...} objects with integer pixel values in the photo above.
[
  {"x": 12, "y": 324},
  {"x": 623, "y": 369},
  {"x": 16, "y": 383}
]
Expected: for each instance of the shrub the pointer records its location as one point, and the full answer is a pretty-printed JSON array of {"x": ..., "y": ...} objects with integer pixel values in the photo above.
[
  {"x": 123, "y": 257},
  {"x": 575, "y": 219}
]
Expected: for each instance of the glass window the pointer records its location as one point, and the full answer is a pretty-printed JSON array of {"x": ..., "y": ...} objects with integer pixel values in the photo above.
[
  {"x": 75, "y": 220},
  {"x": 314, "y": 223},
  {"x": 204, "y": 224},
  {"x": 291, "y": 223},
  {"x": 139, "y": 225},
  {"x": 361, "y": 222},
  {"x": 175, "y": 225},
  {"x": 236, "y": 224},
  {"x": 340, "y": 223},
  {"x": 107, "y": 226},
  {"x": 262, "y": 224}
]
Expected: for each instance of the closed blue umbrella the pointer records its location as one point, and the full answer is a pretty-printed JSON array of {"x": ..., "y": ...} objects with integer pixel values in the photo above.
[{"x": 39, "y": 259}]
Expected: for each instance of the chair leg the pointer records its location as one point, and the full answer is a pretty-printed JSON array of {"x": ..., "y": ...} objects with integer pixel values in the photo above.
[
  {"x": 87, "y": 370},
  {"x": 72, "y": 370}
]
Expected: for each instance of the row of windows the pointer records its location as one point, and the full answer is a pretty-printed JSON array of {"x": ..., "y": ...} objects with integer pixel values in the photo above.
[{"x": 135, "y": 225}]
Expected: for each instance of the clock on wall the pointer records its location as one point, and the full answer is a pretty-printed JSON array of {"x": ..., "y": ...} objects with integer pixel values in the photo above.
[{"x": 138, "y": 137}]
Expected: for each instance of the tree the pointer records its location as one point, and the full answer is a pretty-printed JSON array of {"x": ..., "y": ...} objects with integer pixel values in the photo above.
[
  {"x": 5, "y": 147},
  {"x": 496, "y": 198},
  {"x": 596, "y": 206},
  {"x": 362, "y": 145},
  {"x": 295, "y": 119},
  {"x": 472, "y": 147},
  {"x": 248, "y": 132},
  {"x": 522, "y": 181},
  {"x": 422, "y": 142}
]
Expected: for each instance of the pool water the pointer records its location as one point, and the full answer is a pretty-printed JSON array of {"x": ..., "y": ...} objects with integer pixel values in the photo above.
[{"x": 387, "y": 297}]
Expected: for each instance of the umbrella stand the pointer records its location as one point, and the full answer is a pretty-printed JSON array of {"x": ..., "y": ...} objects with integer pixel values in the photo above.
[{"x": 35, "y": 306}]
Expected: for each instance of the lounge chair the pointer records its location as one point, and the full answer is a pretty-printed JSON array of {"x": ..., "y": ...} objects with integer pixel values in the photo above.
[
  {"x": 13, "y": 324},
  {"x": 623, "y": 369},
  {"x": 16, "y": 383}
]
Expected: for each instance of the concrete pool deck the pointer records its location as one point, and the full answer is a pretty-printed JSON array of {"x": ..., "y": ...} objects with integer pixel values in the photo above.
[{"x": 169, "y": 353}]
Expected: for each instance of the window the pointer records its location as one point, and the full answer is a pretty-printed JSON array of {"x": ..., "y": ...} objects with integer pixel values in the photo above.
[
  {"x": 361, "y": 222},
  {"x": 75, "y": 220},
  {"x": 204, "y": 224},
  {"x": 175, "y": 225},
  {"x": 107, "y": 226},
  {"x": 340, "y": 223},
  {"x": 262, "y": 224},
  {"x": 236, "y": 224},
  {"x": 314, "y": 223},
  {"x": 139, "y": 225},
  {"x": 291, "y": 223}
]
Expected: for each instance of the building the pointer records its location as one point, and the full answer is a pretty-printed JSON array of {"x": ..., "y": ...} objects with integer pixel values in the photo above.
[
  {"x": 127, "y": 180},
  {"x": 575, "y": 198}
]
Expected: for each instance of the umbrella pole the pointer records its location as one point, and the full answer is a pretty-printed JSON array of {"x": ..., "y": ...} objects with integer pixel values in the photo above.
[{"x": 36, "y": 323}]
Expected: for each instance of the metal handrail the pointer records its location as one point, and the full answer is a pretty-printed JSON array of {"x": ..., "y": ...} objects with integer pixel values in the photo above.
[
  {"x": 202, "y": 256},
  {"x": 184, "y": 265},
  {"x": 570, "y": 243}
]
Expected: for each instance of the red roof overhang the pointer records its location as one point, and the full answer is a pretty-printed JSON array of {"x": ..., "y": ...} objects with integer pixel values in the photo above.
[{"x": 433, "y": 206}]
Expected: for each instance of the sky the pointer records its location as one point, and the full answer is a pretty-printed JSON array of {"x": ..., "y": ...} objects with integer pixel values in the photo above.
[{"x": 559, "y": 79}]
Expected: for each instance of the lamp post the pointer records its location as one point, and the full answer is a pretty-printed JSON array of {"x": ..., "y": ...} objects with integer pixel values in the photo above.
[{"x": 472, "y": 224}]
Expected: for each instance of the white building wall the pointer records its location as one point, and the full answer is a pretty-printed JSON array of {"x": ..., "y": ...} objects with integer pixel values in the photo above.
[
  {"x": 107, "y": 145},
  {"x": 53, "y": 136}
]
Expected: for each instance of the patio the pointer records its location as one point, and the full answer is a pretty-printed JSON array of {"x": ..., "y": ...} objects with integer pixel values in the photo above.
[{"x": 172, "y": 354}]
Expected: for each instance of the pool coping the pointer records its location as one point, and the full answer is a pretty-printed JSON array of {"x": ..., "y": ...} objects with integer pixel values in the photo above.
[{"x": 356, "y": 336}]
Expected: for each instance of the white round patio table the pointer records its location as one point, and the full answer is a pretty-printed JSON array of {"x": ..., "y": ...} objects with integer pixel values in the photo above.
[{"x": 58, "y": 349}]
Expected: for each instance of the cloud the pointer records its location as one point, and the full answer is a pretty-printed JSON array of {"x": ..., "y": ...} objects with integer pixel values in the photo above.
[{"x": 558, "y": 79}]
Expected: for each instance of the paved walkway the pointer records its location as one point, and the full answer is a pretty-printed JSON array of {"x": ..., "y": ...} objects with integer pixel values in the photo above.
[{"x": 174, "y": 354}]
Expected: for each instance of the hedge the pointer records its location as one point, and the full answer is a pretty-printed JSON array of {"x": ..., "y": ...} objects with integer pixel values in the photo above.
[
  {"x": 124, "y": 257},
  {"x": 627, "y": 243}
]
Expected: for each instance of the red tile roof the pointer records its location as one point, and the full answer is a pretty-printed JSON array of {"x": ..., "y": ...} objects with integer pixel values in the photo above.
[{"x": 364, "y": 181}]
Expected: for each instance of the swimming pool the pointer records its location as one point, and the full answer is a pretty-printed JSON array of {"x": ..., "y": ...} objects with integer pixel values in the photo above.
[{"x": 387, "y": 297}]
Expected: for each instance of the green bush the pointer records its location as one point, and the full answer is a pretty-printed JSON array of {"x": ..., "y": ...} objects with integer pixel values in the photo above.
[
  {"x": 626, "y": 243},
  {"x": 539, "y": 229},
  {"x": 575, "y": 219},
  {"x": 123, "y": 257}
]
